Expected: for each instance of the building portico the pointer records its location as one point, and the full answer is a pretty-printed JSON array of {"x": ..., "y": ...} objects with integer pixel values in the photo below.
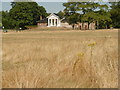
[{"x": 53, "y": 20}]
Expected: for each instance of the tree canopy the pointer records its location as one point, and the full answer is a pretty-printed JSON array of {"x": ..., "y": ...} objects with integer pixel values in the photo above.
[
  {"x": 23, "y": 13},
  {"x": 61, "y": 14},
  {"x": 115, "y": 14},
  {"x": 27, "y": 13},
  {"x": 89, "y": 12},
  {"x": 0, "y": 19}
]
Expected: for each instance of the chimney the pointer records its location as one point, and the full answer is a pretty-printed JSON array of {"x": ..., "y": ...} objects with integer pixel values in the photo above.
[{"x": 40, "y": 17}]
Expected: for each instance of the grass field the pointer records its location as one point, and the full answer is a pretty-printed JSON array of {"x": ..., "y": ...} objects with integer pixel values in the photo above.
[{"x": 60, "y": 59}]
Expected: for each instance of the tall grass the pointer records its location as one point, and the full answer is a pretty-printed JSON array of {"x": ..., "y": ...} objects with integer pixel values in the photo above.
[{"x": 60, "y": 60}]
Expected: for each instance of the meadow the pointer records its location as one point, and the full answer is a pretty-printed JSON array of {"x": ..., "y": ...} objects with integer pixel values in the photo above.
[{"x": 60, "y": 59}]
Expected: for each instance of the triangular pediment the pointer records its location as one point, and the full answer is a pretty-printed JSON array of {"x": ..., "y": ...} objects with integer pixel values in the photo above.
[{"x": 53, "y": 15}]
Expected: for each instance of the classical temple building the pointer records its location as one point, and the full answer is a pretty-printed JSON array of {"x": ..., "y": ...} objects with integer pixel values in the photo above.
[{"x": 53, "y": 20}]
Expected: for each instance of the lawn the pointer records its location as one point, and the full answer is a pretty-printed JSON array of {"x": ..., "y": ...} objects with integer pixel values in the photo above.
[{"x": 60, "y": 59}]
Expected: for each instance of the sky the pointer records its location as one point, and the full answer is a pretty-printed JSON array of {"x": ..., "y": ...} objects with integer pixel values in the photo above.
[{"x": 51, "y": 7}]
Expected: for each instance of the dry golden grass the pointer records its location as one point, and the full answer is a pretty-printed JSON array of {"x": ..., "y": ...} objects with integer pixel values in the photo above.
[{"x": 60, "y": 59}]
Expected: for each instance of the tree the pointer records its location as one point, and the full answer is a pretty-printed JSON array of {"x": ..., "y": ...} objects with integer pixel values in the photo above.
[
  {"x": 89, "y": 17},
  {"x": 0, "y": 19},
  {"x": 88, "y": 12},
  {"x": 73, "y": 19},
  {"x": 94, "y": 12},
  {"x": 26, "y": 13},
  {"x": 61, "y": 14},
  {"x": 103, "y": 19},
  {"x": 71, "y": 14},
  {"x": 70, "y": 7},
  {"x": 7, "y": 21},
  {"x": 115, "y": 14}
]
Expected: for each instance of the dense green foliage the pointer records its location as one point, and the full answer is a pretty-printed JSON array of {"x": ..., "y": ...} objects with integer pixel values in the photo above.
[
  {"x": 88, "y": 12},
  {"x": 61, "y": 14},
  {"x": 23, "y": 13},
  {"x": 7, "y": 21},
  {"x": 0, "y": 19},
  {"x": 115, "y": 14},
  {"x": 27, "y": 13}
]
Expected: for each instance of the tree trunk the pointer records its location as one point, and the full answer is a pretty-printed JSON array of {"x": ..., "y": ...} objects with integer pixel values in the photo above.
[
  {"x": 88, "y": 25},
  {"x": 73, "y": 26},
  {"x": 97, "y": 24},
  {"x": 106, "y": 26},
  {"x": 82, "y": 25}
]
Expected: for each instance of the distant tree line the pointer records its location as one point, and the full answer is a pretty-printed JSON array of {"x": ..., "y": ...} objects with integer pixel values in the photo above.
[
  {"x": 104, "y": 15},
  {"x": 0, "y": 19},
  {"x": 22, "y": 14},
  {"x": 27, "y": 13}
]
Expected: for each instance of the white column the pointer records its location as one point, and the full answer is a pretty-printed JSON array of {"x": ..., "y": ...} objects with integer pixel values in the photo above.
[
  {"x": 51, "y": 22},
  {"x": 48, "y": 22},
  {"x": 54, "y": 22},
  {"x": 57, "y": 22}
]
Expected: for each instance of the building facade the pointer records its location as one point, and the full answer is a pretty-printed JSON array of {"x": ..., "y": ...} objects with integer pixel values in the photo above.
[
  {"x": 54, "y": 21},
  {"x": 85, "y": 26}
]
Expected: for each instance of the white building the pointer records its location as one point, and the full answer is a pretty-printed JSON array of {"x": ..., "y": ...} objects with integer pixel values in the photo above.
[{"x": 53, "y": 20}]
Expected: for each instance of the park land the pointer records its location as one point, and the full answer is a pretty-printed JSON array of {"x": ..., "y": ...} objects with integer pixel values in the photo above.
[{"x": 60, "y": 59}]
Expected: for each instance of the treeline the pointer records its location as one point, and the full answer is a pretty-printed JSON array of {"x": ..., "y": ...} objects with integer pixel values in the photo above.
[
  {"x": 27, "y": 13},
  {"x": 22, "y": 14},
  {"x": 105, "y": 15}
]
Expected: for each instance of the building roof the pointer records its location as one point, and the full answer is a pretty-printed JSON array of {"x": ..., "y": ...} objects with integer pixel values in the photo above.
[
  {"x": 43, "y": 20},
  {"x": 53, "y": 14},
  {"x": 63, "y": 20}
]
